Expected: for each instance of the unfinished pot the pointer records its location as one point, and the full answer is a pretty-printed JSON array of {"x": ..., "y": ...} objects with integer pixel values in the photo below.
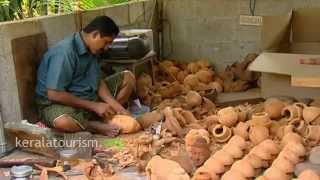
[
  {"x": 283, "y": 164},
  {"x": 242, "y": 129},
  {"x": 257, "y": 134},
  {"x": 274, "y": 173},
  {"x": 292, "y": 112},
  {"x": 309, "y": 175},
  {"x": 195, "y": 134},
  {"x": 242, "y": 113},
  {"x": 164, "y": 169},
  {"x": 215, "y": 166},
  {"x": 310, "y": 113},
  {"x": 171, "y": 123},
  {"x": 235, "y": 151},
  {"x": 260, "y": 119},
  {"x": 273, "y": 107},
  {"x": 221, "y": 133},
  {"x": 228, "y": 116},
  {"x": 261, "y": 153},
  {"x": 296, "y": 147},
  {"x": 291, "y": 156},
  {"x": 231, "y": 175},
  {"x": 299, "y": 126},
  {"x": 211, "y": 121},
  {"x": 313, "y": 135},
  {"x": 205, "y": 76},
  {"x": 255, "y": 161},
  {"x": 170, "y": 90},
  {"x": 244, "y": 167},
  {"x": 126, "y": 123},
  {"x": 289, "y": 137},
  {"x": 238, "y": 141},
  {"x": 149, "y": 118},
  {"x": 269, "y": 145},
  {"x": 193, "y": 99},
  {"x": 223, "y": 157}
]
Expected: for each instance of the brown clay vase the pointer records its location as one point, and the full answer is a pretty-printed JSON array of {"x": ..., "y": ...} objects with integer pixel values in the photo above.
[
  {"x": 231, "y": 175},
  {"x": 260, "y": 119},
  {"x": 215, "y": 166},
  {"x": 309, "y": 175},
  {"x": 261, "y": 153},
  {"x": 188, "y": 116},
  {"x": 242, "y": 129},
  {"x": 254, "y": 160},
  {"x": 221, "y": 133},
  {"x": 171, "y": 123},
  {"x": 292, "y": 112},
  {"x": 181, "y": 75},
  {"x": 243, "y": 112},
  {"x": 283, "y": 164},
  {"x": 296, "y": 147},
  {"x": 222, "y": 157},
  {"x": 228, "y": 116},
  {"x": 244, "y": 167},
  {"x": 270, "y": 146},
  {"x": 193, "y": 99},
  {"x": 191, "y": 81},
  {"x": 235, "y": 151},
  {"x": 203, "y": 173},
  {"x": 291, "y": 156},
  {"x": 257, "y": 134},
  {"x": 299, "y": 126},
  {"x": 310, "y": 113},
  {"x": 313, "y": 135},
  {"x": 210, "y": 121},
  {"x": 195, "y": 134},
  {"x": 289, "y": 137},
  {"x": 205, "y": 76},
  {"x": 238, "y": 141},
  {"x": 273, "y": 107},
  {"x": 274, "y": 173}
]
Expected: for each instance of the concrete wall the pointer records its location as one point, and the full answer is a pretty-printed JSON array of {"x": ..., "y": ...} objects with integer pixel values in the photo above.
[
  {"x": 210, "y": 28},
  {"x": 137, "y": 15}
]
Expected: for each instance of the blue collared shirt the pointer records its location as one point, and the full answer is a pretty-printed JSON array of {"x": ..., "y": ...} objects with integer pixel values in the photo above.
[{"x": 69, "y": 67}]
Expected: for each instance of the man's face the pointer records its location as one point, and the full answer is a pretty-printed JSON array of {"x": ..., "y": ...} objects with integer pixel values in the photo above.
[{"x": 99, "y": 44}]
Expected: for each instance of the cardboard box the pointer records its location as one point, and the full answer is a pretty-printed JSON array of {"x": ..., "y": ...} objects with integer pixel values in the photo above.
[{"x": 284, "y": 41}]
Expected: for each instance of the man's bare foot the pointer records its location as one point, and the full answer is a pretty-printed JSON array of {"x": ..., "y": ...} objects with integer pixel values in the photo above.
[{"x": 103, "y": 128}]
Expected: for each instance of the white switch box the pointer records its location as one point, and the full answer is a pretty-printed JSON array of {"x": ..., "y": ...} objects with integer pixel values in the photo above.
[{"x": 251, "y": 20}]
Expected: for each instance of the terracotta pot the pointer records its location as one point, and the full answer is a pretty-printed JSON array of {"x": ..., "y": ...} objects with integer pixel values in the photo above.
[
  {"x": 238, "y": 141},
  {"x": 191, "y": 81},
  {"x": 242, "y": 129},
  {"x": 181, "y": 75},
  {"x": 289, "y": 137},
  {"x": 195, "y": 134},
  {"x": 205, "y": 75},
  {"x": 254, "y": 160},
  {"x": 310, "y": 113},
  {"x": 215, "y": 166},
  {"x": 270, "y": 146},
  {"x": 244, "y": 167},
  {"x": 207, "y": 106},
  {"x": 274, "y": 174},
  {"x": 221, "y": 133},
  {"x": 203, "y": 64},
  {"x": 243, "y": 112},
  {"x": 273, "y": 107},
  {"x": 193, "y": 67},
  {"x": 222, "y": 157},
  {"x": 291, "y": 156},
  {"x": 292, "y": 112},
  {"x": 188, "y": 116},
  {"x": 228, "y": 116},
  {"x": 170, "y": 90},
  {"x": 299, "y": 126},
  {"x": 283, "y": 164},
  {"x": 177, "y": 114},
  {"x": 204, "y": 172},
  {"x": 257, "y": 134},
  {"x": 296, "y": 147},
  {"x": 126, "y": 123},
  {"x": 261, "y": 178},
  {"x": 234, "y": 151},
  {"x": 193, "y": 99},
  {"x": 202, "y": 176},
  {"x": 211, "y": 121},
  {"x": 309, "y": 175},
  {"x": 261, "y": 153},
  {"x": 260, "y": 119},
  {"x": 231, "y": 175},
  {"x": 275, "y": 128},
  {"x": 313, "y": 135}
]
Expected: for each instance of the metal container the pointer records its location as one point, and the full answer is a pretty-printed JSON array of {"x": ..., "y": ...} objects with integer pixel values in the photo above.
[
  {"x": 21, "y": 172},
  {"x": 69, "y": 157}
]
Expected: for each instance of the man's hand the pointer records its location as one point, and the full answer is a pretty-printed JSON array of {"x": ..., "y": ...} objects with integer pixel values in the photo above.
[
  {"x": 103, "y": 109},
  {"x": 119, "y": 109}
]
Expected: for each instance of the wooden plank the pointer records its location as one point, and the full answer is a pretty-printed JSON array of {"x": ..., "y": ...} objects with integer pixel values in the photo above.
[
  {"x": 305, "y": 81},
  {"x": 27, "y": 54}
]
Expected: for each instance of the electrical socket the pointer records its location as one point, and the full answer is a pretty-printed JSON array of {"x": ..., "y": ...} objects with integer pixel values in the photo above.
[{"x": 251, "y": 20}]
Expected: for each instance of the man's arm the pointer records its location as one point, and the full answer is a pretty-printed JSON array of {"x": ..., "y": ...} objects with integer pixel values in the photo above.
[
  {"x": 105, "y": 95},
  {"x": 71, "y": 100}
]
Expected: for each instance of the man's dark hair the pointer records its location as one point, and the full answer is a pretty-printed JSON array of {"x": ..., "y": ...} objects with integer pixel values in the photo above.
[{"x": 104, "y": 24}]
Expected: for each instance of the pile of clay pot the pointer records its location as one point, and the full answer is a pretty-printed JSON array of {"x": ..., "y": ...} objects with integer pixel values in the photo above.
[{"x": 266, "y": 141}]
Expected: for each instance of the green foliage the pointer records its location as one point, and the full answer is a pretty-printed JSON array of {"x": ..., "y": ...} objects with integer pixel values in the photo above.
[{"x": 114, "y": 143}]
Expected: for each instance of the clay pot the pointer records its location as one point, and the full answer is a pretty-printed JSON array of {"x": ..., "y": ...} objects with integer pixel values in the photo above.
[
  {"x": 171, "y": 123},
  {"x": 270, "y": 146},
  {"x": 228, "y": 116},
  {"x": 309, "y": 175},
  {"x": 289, "y": 137},
  {"x": 188, "y": 116},
  {"x": 223, "y": 157},
  {"x": 177, "y": 114},
  {"x": 292, "y": 112},
  {"x": 313, "y": 135},
  {"x": 238, "y": 141},
  {"x": 299, "y": 126},
  {"x": 173, "y": 70},
  {"x": 221, "y": 133},
  {"x": 261, "y": 153},
  {"x": 181, "y": 75},
  {"x": 310, "y": 113},
  {"x": 244, "y": 167},
  {"x": 211, "y": 121},
  {"x": 170, "y": 90},
  {"x": 203, "y": 173},
  {"x": 191, "y": 81},
  {"x": 149, "y": 118},
  {"x": 193, "y": 99},
  {"x": 126, "y": 123},
  {"x": 296, "y": 147},
  {"x": 234, "y": 151},
  {"x": 242, "y": 129},
  {"x": 215, "y": 166},
  {"x": 254, "y": 160},
  {"x": 273, "y": 107},
  {"x": 260, "y": 119},
  {"x": 283, "y": 164},
  {"x": 207, "y": 106},
  {"x": 257, "y": 134},
  {"x": 274, "y": 174},
  {"x": 242, "y": 113},
  {"x": 205, "y": 76},
  {"x": 291, "y": 156},
  {"x": 193, "y": 67},
  {"x": 231, "y": 175},
  {"x": 163, "y": 169}
]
